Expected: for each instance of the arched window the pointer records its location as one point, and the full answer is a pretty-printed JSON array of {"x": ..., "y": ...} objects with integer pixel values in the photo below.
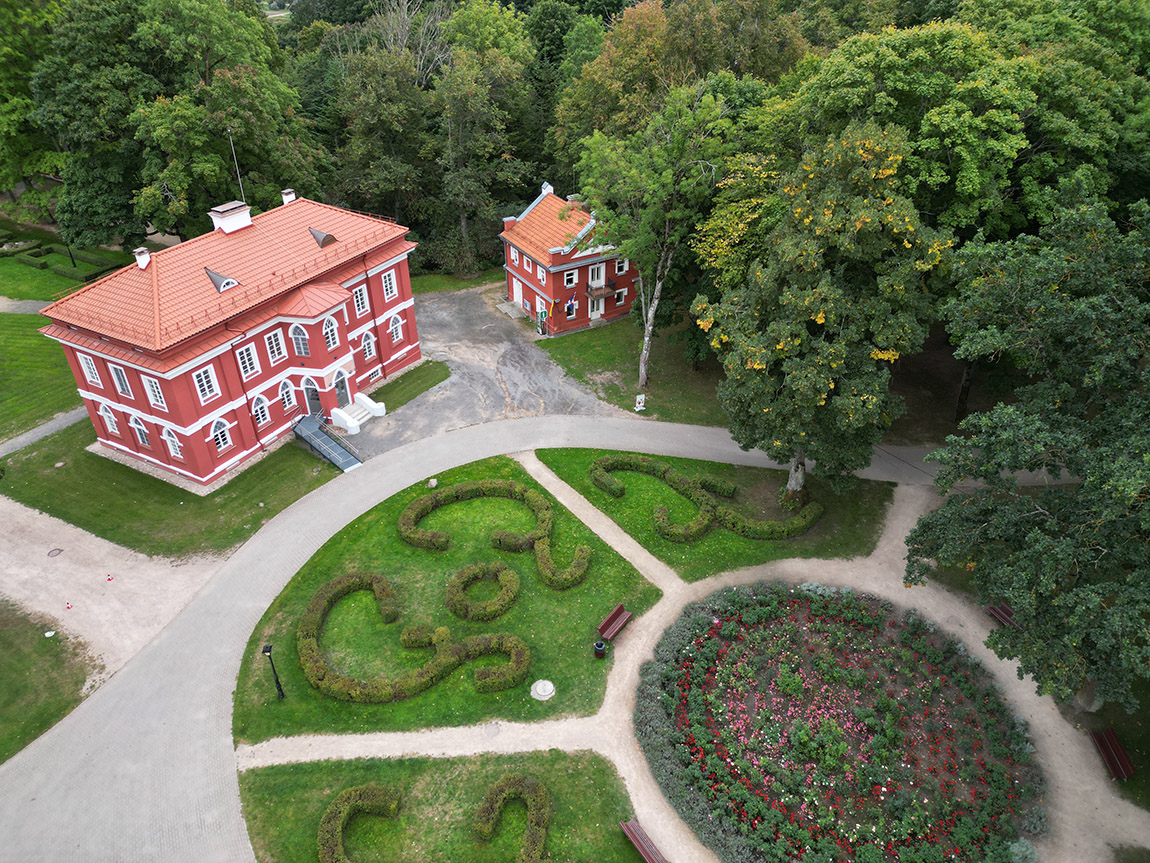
[
  {"x": 368, "y": 345},
  {"x": 173, "y": 443},
  {"x": 299, "y": 341},
  {"x": 287, "y": 395},
  {"x": 330, "y": 335},
  {"x": 260, "y": 411},
  {"x": 395, "y": 327},
  {"x": 141, "y": 431},
  {"x": 221, "y": 435},
  {"x": 109, "y": 420}
]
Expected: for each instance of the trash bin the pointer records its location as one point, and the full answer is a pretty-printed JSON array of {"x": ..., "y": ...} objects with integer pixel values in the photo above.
[{"x": 600, "y": 649}]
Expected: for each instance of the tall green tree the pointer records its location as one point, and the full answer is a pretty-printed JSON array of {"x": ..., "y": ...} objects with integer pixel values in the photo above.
[
  {"x": 842, "y": 288},
  {"x": 1070, "y": 306},
  {"x": 648, "y": 191}
]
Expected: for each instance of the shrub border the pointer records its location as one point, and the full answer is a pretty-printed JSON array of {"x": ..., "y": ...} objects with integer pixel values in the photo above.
[
  {"x": 362, "y": 799},
  {"x": 700, "y": 491},
  {"x": 479, "y": 612},
  {"x": 449, "y": 655},
  {"x": 538, "y": 799}
]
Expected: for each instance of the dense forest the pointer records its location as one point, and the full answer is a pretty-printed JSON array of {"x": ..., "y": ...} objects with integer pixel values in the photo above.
[{"x": 810, "y": 184}]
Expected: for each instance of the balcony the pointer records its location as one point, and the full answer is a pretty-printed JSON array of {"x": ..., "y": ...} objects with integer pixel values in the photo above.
[{"x": 598, "y": 291}]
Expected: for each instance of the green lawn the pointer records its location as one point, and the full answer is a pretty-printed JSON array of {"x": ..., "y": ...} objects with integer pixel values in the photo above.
[
  {"x": 431, "y": 283},
  {"x": 283, "y": 806},
  {"x": 20, "y": 282},
  {"x": 40, "y": 678},
  {"x": 1130, "y": 854},
  {"x": 411, "y": 384},
  {"x": 850, "y": 526},
  {"x": 35, "y": 381},
  {"x": 133, "y": 509},
  {"x": 607, "y": 360},
  {"x": 558, "y": 626},
  {"x": 81, "y": 271}
]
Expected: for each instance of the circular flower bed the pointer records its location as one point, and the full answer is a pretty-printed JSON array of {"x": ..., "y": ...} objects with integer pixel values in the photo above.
[{"x": 810, "y": 724}]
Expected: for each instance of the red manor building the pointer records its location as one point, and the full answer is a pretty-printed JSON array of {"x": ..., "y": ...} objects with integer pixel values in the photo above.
[
  {"x": 549, "y": 274},
  {"x": 198, "y": 357}
]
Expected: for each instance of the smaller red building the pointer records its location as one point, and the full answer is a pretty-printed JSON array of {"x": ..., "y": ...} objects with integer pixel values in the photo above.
[
  {"x": 197, "y": 358},
  {"x": 553, "y": 271}
]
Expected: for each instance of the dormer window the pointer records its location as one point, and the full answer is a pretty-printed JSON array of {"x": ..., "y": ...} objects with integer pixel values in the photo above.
[
  {"x": 221, "y": 282},
  {"x": 322, "y": 238}
]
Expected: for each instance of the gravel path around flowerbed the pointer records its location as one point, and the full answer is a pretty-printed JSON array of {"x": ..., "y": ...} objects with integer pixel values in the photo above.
[{"x": 1086, "y": 815}]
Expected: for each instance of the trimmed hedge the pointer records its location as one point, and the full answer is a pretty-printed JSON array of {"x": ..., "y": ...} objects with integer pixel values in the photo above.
[
  {"x": 700, "y": 492},
  {"x": 538, "y": 539},
  {"x": 11, "y": 253},
  {"x": 461, "y": 606},
  {"x": 363, "y": 799},
  {"x": 538, "y": 799},
  {"x": 449, "y": 655}
]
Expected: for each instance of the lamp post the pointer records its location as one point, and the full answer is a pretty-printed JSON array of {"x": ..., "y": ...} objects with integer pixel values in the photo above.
[{"x": 271, "y": 662}]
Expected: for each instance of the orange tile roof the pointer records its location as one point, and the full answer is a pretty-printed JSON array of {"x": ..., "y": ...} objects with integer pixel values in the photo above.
[
  {"x": 173, "y": 299},
  {"x": 551, "y": 223}
]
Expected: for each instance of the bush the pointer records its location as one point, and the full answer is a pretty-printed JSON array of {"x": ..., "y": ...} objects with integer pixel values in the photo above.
[
  {"x": 449, "y": 655},
  {"x": 1034, "y": 822},
  {"x": 698, "y": 491},
  {"x": 532, "y": 792},
  {"x": 1022, "y": 851},
  {"x": 538, "y": 539},
  {"x": 461, "y": 606},
  {"x": 365, "y": 799}
]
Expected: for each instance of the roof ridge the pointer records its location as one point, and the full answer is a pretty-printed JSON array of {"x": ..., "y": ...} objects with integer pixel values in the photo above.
[{"x": 155, "y": 304}]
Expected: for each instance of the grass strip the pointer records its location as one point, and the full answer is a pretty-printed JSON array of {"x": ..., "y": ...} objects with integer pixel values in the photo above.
[
  {"x": 431, "y": 283},
  {"x": 41, "y": 678},
  {"x": 20, "y": 282},
  {"x": 35, "y": 380},
  {"x": 558, "y": 626},
  {"x": 283, "y": 806},
  {"x": 130, "y": 508},
  {"x": 849, "y": 526},
  {"x": 411, "y": 384}
]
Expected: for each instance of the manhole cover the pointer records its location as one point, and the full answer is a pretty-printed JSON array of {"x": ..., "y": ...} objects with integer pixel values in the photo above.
[
  {"x": 54, "y": 552},
  {"x": 541, "y": 690},
  {"x": 491, "y": 729}
]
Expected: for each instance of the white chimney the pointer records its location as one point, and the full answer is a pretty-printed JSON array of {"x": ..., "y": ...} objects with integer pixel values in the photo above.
[
  {"x": 288, "y": 195},
  {"x": 548, "y": 189},
  {"x": 231, "y": 216},
  {"x": 143, "y": 256}
]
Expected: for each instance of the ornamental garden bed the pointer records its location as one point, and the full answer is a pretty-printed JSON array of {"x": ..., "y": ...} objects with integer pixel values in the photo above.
[
  {"x": 381, "y": 639},
  {"x": 813, "y": 724},
  {"x": 438, "y": 803},
  {"x": 849, "y": 525}
]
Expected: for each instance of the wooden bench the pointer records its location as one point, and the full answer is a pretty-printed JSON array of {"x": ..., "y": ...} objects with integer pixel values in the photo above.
[
  {"x": 1004, "y": 614},
  {"x": 1117, "y": 761},
  {"x": 614, "y": 621},
  {"x": 642, "y": 841}
]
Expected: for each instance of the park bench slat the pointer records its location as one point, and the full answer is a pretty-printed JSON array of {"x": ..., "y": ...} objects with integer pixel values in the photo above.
[
  {"x": 642, "y": 842},
  {"x": 1004, "y": 614},
  {"x": 1117, "y": 761}
]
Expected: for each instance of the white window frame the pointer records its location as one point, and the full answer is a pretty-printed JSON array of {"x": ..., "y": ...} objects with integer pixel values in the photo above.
[
  {"x": 331, "y": 334},
  {"x": 260, "y": 412},
  {"x": 514, "y": 254},
  {"x": 300, "y": 341},
  {"x": 175, "y": 449},
  {"x": 527, "y": 263},
  {"x": 620, "y": 296},
  {"x": 390, "y": 286},
  {"x": 620, "y": 266},
  {"x": 368, "y": 345},
  {"x": 395, "y": 329},
  {"x": 275, "y": 345},
  {"x": 572, "y": 308},
  {"x": 595, "y": 304},
  {"x": 154, "y": 392},
  {"x": 601, "y": 271},
  {"x": 110, "y": 422},
  {"x": 141, "y": 430},
  {"x": 249, "y": 361},
  {"x": 570, "y": 278},
  {"x": 287, "y": 395},
  {"x": 359, "y": 294},
  {"x": 542, "y": 274},
  {"x": 221, "y": 436},
  {"x": 211, "y": 391},
  {"x": 91, "y": 373},
  {"x": 120, "y": 380}
]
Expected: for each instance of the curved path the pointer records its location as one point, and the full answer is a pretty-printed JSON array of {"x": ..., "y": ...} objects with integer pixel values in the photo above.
[{"x": 145, "y": 768}]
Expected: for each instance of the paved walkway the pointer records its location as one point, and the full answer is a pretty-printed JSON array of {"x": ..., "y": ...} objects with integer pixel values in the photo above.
[
  {"x": 145, "y": 768},
  {"x": 58, "y": 422}
]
